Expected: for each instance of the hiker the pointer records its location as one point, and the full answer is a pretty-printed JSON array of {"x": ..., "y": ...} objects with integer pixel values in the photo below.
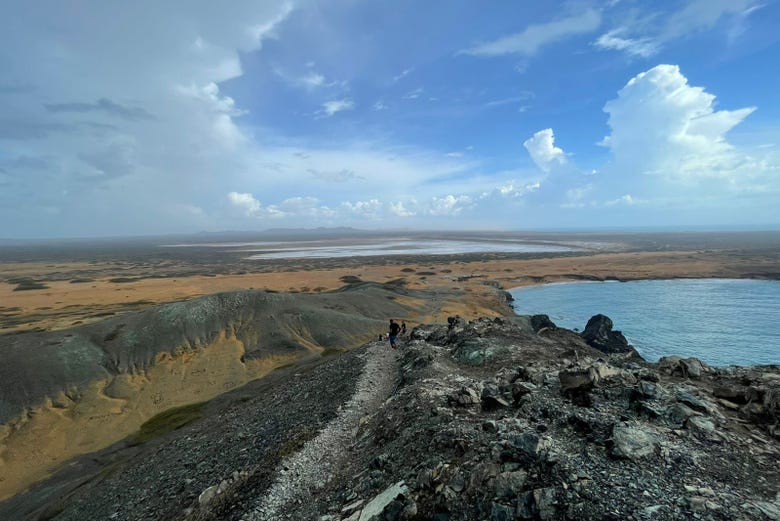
[
  {"x": 393, "y": 332},
  {"x": 403, "y": 329}
]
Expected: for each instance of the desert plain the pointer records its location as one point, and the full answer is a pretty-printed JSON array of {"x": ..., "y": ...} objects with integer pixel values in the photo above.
[{"x": 51, "y": 286}]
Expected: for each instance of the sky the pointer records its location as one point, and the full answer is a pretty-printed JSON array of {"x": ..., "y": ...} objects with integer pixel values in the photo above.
[{"x": 147, "y": 117}]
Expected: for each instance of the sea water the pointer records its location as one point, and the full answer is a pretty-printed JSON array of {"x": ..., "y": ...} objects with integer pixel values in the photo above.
[{"x": 720, "y": 321}]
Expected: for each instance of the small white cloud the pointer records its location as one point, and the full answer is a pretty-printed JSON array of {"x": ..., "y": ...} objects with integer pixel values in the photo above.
[
  {"x": 400, "y": 210},
  {"x": 370, "y": 209},
  {"x": 454, "y": 154},
  {"x": 541, "y": 147},
  {"x": 380, "y": 105},
  {"x": 643, "y": 47},
  {"x": 625, "y": 200},
  {"x": 245, "y": 202},
  {"x": 329, "y": 108},
  {"x": 414, "y": 94},
  {"x": 529, "y": 41},
  {"x": 449, "y": 205},
  {"x": 404, "y": 73},
  {"x": 515, "y": 190},
  {"x": 313, "y": 79}
]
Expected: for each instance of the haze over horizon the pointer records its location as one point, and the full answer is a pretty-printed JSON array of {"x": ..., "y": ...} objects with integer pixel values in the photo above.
[{"x": 145, "y": 118}]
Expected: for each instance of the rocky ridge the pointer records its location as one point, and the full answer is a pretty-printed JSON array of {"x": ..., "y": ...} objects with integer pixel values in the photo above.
[
  {"x": 494, "y": 419},
  {"x": 505, "y": 418}
]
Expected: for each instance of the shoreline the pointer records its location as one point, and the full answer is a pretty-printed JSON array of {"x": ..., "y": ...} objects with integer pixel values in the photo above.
[
  {"x": 571, "y": 308},
  {"x": 78, "y": 292}
]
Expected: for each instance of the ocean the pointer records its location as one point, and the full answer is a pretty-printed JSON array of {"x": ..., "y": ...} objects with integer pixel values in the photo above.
[{"x": 720, "y": 321}]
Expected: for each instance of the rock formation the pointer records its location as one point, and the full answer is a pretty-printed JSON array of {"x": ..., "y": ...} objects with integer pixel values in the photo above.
[{"x": 598, "y": 333}]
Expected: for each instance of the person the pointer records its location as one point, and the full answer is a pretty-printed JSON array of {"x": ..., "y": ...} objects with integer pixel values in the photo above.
[
  {"x": 393, "y": 332},
  {"x": 403, "y": 329}
]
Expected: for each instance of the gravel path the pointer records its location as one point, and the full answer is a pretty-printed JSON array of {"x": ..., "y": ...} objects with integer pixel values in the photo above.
[{"x": 314, "y": 465}]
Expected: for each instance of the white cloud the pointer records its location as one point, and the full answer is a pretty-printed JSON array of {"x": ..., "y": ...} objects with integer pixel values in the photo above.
[
  {"x": 529, "y": 41},
  {"x": 646, "y": 34},
  {"x": 400, "y": 210},
  {"x": 414, "y": 94},
  {"x": 380, "y": 105},
  {"x": 448, "y": 205},
  {"x": 663, "y": 126},
  {"x": 135, "y": 125},
  {"x": 313, "y": 79},
  {"x": 370, "y": 209},
  {"x": 626, "y": 200},
  {"x": 541, "y": 147},
  {"x": 329, "y": 108},
  {"x": 643, "y": 47},
  {"x": 515, "y": 190},
  {"x": 403, "y": 74},
  {"x": 245, "y": 202}
]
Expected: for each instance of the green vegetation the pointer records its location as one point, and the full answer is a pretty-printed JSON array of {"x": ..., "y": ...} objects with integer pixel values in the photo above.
[
  {"x": 350, "y": 279},
  {"x": 168, "y": 421}
]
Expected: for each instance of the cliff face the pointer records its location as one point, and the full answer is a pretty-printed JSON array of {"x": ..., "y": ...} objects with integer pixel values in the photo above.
[
  {"x": 70, "y": 392},
  {"x": 507, "y": 418}
]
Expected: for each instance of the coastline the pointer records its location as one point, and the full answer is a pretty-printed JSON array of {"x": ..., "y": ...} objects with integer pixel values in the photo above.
[
  {"x": 77, "y": 292},
  {"x": 725, "y": 321}
]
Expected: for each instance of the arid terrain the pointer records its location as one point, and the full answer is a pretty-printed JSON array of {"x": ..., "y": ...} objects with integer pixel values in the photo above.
[
  {"x": 98, "y": 339},
  {"x": 56, "y": 286}
]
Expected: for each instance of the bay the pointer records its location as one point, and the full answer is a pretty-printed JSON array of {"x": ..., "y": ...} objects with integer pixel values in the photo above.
[{"x": 721, "y": 321}]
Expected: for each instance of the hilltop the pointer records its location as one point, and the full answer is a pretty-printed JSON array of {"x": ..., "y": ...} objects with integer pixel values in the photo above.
[{"x": 496, "y": 418}]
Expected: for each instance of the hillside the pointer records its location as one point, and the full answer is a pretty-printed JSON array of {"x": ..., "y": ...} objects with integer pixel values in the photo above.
[
  {"x": 506, "y": 418},
  {"x": 75, "y": 391}
]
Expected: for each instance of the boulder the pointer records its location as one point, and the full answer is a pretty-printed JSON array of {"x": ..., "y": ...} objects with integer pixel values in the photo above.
[
  {"x": 685, "y": 367},
  {"x": 466, "y": 397},
  {"x": 598, "y": 334},
  {"x": 539, "y": 322},
  {"x": 509, "y": 484},
  {"x": 387, "y": 496},
  {"x": 632, "y": 442},
  {"x": 584, "y": 379}
]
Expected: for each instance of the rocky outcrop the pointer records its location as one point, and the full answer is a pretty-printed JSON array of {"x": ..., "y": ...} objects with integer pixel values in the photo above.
[
  {"x": 598, "y": 333},
  {"x": 492, "y": 420}
]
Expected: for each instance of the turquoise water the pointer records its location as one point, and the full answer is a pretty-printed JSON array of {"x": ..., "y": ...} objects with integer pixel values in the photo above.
[{"x": 721, "y": 321}]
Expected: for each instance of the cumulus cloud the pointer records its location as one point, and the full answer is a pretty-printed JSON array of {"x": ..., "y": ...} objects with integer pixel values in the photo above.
[
  {"x": 126, "y": 123},
  {"x": 541, "y": 147},
  {"x": 535, "y": 36},
  {"x": 245, "y": 202},
  {"x": 370, "y": 209},
  {"x": 449, "y": 205},
  {"x": 400, "y": 210},
  {"x": 663, "y": 126}
]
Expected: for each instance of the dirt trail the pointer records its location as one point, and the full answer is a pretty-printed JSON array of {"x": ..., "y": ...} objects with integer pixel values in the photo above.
[{"x": 316, "y": 463}]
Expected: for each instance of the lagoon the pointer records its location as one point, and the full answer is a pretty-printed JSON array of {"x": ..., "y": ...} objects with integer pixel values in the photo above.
[{"x": 721, "y": 321}]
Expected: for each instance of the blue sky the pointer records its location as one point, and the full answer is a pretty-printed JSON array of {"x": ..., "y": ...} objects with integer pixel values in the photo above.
[{"x": 151, "y": 118}]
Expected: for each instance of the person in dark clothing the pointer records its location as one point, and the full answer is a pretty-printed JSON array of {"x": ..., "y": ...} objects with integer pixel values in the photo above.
[
  {"x": 393, "y": 332},
  {"x": 403, "y": 329}
]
